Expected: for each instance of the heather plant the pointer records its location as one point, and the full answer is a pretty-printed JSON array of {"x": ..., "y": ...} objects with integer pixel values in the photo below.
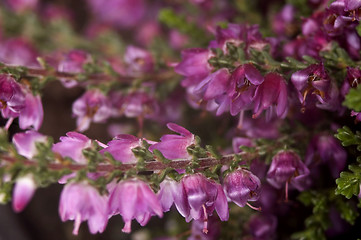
[{"x": 182, "y": 120}]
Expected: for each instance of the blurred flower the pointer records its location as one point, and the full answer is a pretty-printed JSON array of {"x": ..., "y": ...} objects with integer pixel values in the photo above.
[
  {"x": 22, "y": 5},
  {"x": 263, "y": 227},
  {"x": 32, "y": 114},
  {"x": 24, "y": 190},
  {"x": 94, "y": 106},
  {"x": 18, "y": 52},
  {"x": 25, "y": 143},
  {"x": 138, "y": 60}
]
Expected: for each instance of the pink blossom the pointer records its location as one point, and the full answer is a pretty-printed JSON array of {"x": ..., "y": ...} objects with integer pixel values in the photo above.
[
  {"x": 91, "y": 106},
  {"x": 72, "y": 146},
  {"x": 81, "y": 202},
  {"x": 32, "y": 115},
  {"x": 134, "y": 199},
  {"x": 138, "y": 60},
  {"x": 12, "y": 98},
  {"x": 175, "y": 146}
]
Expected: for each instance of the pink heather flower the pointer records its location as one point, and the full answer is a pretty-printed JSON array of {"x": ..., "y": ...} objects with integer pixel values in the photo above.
[
  {"x": 171, "y": 192},
  {"x": 139, "y": 104},
  {"x": 72, "y": 146},
  {"x": 18, "y": 52},
  {"x": 327, "y": 149},
  {"x": 91, "y": 106},
  {"x": 287, "y": 167},
  {"x": 357, "y": 115},
  {"x": 81, "y": 202},
  {"x": 12, "y": 98},
  {"x": 24, "y": 190},
  {"x": 121, "y": 13},
  {"x": 25, "y": 143},
  {"x": 32, "y": 115},
  {"x": 242, "y": 88},
  {"x": 194, "y": 65},
  {"x": 121, "y": 148},
  {"x": 242, "y": 186},
  {"x": 73, "y": 62},
  {"x": 175, "y": 146},
  {"x": 282, "y": 22},
  {"x": 203, "y": 197},
  {"x": 134, "y": 199},
  {"x": 271, "y": 95},
  {"x": 214, "y": 85},
  {"x": 138, "y": 60}
]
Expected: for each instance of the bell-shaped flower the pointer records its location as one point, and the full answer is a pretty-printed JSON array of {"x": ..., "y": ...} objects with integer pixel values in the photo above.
[
  {"x": 24, "y": 190},
  {"x": 138, "y": 60},
  {"x": 204, "y": 196},
  {"x": 25, "y": 143},
  {"x": 171, "y": 192},
  {"x": 311, "y": 80},
  {"x": 327, "y": 149},
  {"x": 242, "y": 186},
  {"x": 120, "y": 13},
  {"x": 121, "y": 148},
  {"x": 271, "y": 94},
  {"x": 194, "y": 65},
  {"x": 18, "y": 52},
  {"x": 72, "y": 146},
  {"x": 287, "y": 167},
  {"x": 32, "y": 115},
  {"x": 134, "y": 199},
  {"x": 263, "y": 226},
  {"x": 81, "y": 202},
  {"x": 12, "y": 98},
  {"x": 175, "y": 146},
  {"x": 92, "y": 106},
  {"x": 243, "y": 83},
  {"x": 139, "y": 104}
]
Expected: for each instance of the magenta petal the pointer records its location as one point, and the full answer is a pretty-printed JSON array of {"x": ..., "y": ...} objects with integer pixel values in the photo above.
[
  {"x": 252, "y": 74},
  {"x": 33, "y": 113},
  {"x": 25, "y": 142},
  {"x": 178, "y": 129},
  {"x": 221, "y": 204}
]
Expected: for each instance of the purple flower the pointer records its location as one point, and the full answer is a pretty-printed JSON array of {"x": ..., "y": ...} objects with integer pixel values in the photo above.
[
  {"x": 139, "y": 104},
  {"x": 357, "y": 115},
  {"x": 175, "y": 146},
  {"x": 194, "y": 65},
  {"x": 25, "y": 143},
  {"x": 121, "y": 13},
  {"x": 312, "y": 80},
  {"x": 214, "y": 229},
  {"x": 22, "y": 5},
  {"x": 271, "y": 95},
  {"x": 134, "y": 199},
  {"x": 327, "y": 149},
  {"x": 203, "y": 197},
  {"x": 73, "y": 62},
  {"x": 32, "y": 115},
  {"x": 18, "y": 52},
  {"x": 171, "y": 192},
  {"x": 92, "y": 106},
  {"x": 72, "y": 146},
  {"x": 12, "y": 98},
  {"x": 24, "y": 190},
  {"x": 121, "y": 148},
  {"x": 243, "y": 83},
  {"x": 242, "y": 186},
  {"x": 287, "y": 167},
  {"x": 81, "y": 202},
  {"x": 282, "y": 22},
  {"x": 138, "y": 60},
  {"x": 263, "y": 227}
]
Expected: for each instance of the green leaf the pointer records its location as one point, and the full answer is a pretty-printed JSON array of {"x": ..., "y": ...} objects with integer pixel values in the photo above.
[
  {"x": 348, "y": 184},
  {"x": 353, "y": 99},
  {"x": 347, "y": 137}
]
